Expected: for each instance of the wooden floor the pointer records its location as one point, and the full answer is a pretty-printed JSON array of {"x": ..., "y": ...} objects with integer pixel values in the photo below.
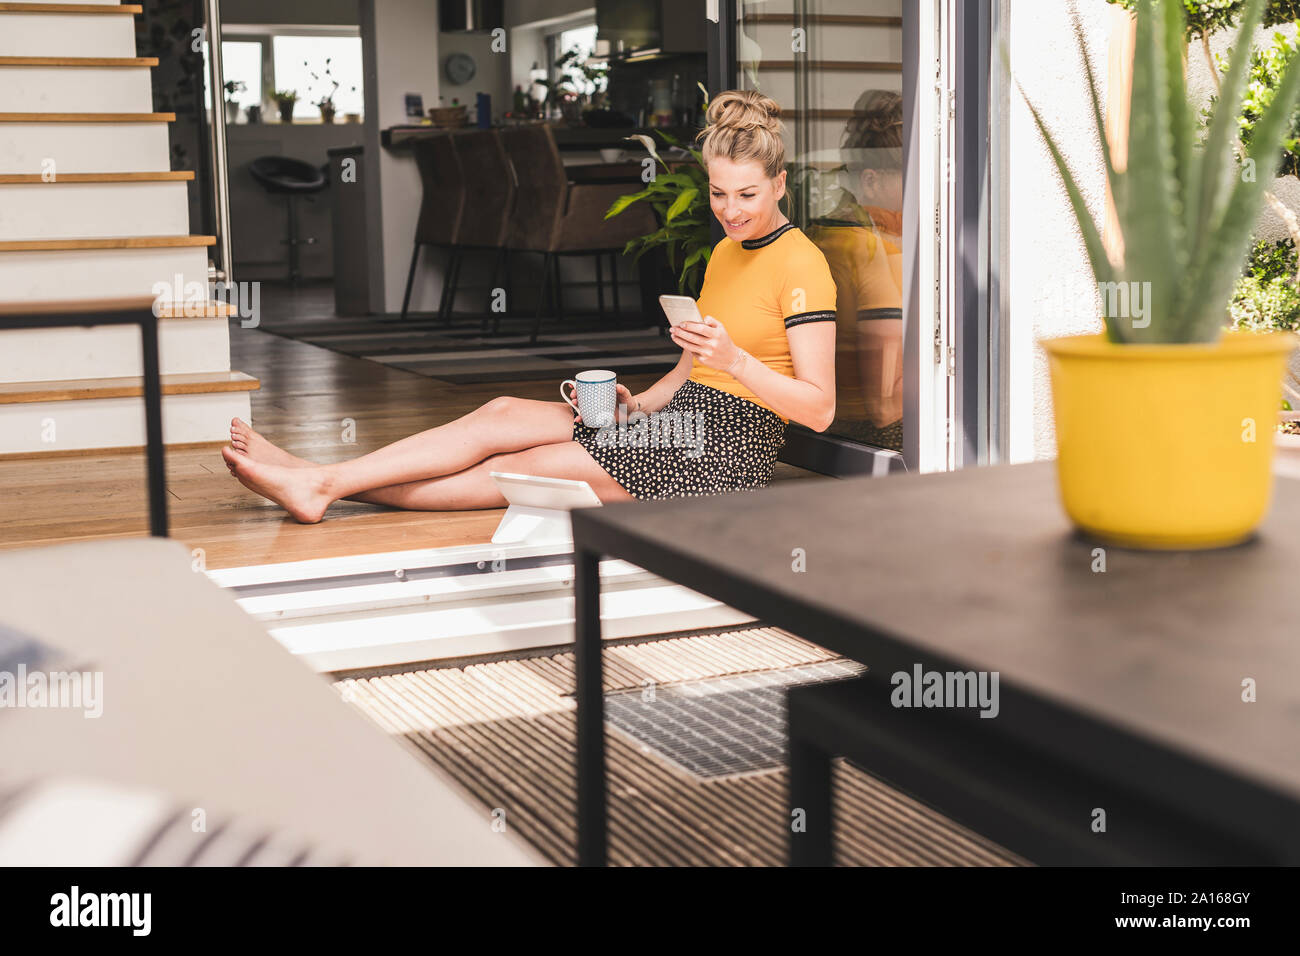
[{"x": 307, "y": 393}]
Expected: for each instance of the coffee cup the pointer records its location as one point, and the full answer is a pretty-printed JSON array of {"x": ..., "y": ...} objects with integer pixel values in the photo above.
[{"x": 597, "y": 396}]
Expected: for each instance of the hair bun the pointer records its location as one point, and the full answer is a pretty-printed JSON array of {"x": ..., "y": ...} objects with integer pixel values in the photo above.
[
  {"x": 744, "y": 126},
  {"x": 744, "y": 109}
]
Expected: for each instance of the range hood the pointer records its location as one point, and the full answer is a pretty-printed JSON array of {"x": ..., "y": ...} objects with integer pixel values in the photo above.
[
  {"x": 628, "y": 27},
  {"x": 470, "y": 16}
]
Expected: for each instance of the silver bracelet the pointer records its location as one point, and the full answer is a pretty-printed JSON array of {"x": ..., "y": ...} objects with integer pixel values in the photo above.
[{"x": 740, "y": 357}]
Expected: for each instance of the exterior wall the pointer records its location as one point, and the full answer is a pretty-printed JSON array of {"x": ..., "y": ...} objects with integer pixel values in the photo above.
[{"x": 1051, "y": 284}]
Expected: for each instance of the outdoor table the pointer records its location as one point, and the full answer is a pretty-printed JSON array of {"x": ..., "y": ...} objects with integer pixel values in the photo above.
[{"x": 1171, "y": 678}]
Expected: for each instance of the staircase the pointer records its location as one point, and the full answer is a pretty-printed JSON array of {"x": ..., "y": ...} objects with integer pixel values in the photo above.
[{"x": 90, "y": 211}]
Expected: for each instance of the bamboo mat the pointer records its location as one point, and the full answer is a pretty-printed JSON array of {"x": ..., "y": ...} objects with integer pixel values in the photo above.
[{"x": 505, "y": 730}]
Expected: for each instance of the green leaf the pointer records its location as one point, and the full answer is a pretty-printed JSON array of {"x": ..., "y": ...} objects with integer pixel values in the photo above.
[
  {"x": 1223, "y": 125},
  {"x": 622, "y": 202},
  {"x": 667, "y": 180},
  {"x": 1150, "y": 219},
  {"x": 681, "y": 203}
]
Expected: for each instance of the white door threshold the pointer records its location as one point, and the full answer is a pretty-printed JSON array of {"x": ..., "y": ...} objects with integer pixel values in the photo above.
[{"x": 404, "y": 607}]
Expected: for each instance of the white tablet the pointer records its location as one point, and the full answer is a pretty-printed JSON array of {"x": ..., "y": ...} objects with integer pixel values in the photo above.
[{"x": 531, "y": 491}]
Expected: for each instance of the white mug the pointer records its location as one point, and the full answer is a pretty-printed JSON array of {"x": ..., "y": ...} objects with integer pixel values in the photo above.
[{"x": 597, "y": 396}]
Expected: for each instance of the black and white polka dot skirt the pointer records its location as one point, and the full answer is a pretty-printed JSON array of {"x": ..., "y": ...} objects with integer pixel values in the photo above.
[{"x": 703, "y": 442}]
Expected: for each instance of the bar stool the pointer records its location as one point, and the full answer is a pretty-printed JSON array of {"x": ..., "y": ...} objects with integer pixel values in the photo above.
[
  {"x": 556, "y": 217},
  {"x": 441, "y": 210},
  {"x": 293, "y": 179}
]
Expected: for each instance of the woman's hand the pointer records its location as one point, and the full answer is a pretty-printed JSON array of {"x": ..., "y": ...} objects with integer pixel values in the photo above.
[
  {"x": 622, "y": 398},
  {"x": 708, "y": 341},
  {"x": 625, "y": 402}
]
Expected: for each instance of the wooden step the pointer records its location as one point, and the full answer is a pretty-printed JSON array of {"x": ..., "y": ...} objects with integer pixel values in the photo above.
[
  {"x": 131, "y": 242},
  {"x": 92, "y": 307},
  {"x": 87, "y": 117},
  {"x": 198, "y": 383},
  {"x": 111, "y": 8},
  {"x": 196, "y": 310},
  {"x": 79, "y": 61},
  {"x": 169, "y": 176}
]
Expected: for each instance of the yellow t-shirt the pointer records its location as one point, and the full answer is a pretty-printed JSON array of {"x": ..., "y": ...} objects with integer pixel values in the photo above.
[{"x": 759, "y": 288}]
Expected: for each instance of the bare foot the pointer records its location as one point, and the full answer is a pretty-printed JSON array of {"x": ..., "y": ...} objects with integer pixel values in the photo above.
[
  {"x": 244, "y": 439},
  {"x": 300, "y": 491}
]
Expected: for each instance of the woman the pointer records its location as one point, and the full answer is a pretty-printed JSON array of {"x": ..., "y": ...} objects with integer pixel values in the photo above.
[{"x": 764, "y": 356}]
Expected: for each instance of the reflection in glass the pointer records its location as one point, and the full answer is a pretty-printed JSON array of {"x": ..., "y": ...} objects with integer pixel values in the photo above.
[
  {"x": 835, "y": 66},
  {"x": 861, "y": 237}
]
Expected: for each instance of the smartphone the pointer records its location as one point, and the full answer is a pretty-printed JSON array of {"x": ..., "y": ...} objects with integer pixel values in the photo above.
[{"x": 680, "y": 309}]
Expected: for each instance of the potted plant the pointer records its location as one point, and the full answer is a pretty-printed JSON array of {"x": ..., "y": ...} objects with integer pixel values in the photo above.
[
  {"x": 232, "y": 108},
  {"x": 680, "y": 199},
  {"x": 1164, "y": 421},
  {"x": 284, "y": 102},
  {"x": 326, "y": 103}
]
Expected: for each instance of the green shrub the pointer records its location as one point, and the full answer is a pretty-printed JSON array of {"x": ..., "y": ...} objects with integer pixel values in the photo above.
[
  {"x": 1266, "y": 299},
  {"x": 1210, "y": 16},
  {"x": 1265, "y": 305}
]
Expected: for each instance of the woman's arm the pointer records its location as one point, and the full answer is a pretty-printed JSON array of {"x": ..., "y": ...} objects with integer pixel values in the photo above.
[{"x": 808, "y": 398}]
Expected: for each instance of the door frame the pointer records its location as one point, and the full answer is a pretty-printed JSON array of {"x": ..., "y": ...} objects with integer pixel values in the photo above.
[{"x": 954, "y": 349}]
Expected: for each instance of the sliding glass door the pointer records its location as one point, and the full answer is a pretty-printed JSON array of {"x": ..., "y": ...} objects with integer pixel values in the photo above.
[{"x": 882, "y": 104}]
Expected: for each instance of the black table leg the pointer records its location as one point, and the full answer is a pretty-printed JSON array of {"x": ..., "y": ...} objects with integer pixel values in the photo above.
[
  {"x": 153, "y": 434},
  {"x": 590, "y": 695},
  {"x": 810, "y": 815}
]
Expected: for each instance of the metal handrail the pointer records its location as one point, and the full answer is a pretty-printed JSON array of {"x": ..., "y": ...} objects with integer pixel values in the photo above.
[{"x": 220, "y": 184}]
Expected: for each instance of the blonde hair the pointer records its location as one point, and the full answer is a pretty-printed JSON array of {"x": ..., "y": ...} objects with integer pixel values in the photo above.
[
  {"x": 873, "y": 136},
  {"x": 744, "y": 126}
]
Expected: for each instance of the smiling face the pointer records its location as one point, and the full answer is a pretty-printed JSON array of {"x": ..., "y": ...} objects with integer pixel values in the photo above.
[{"x": 744, "y": 198}]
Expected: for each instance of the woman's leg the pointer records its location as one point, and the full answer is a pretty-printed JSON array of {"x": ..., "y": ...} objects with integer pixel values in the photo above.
[
  {"x": 474, "y": 489},
  {"x": 503, "y": 425}
]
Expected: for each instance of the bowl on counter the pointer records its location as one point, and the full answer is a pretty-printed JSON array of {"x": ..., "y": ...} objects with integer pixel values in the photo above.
[{"x": 448, "y": 117}]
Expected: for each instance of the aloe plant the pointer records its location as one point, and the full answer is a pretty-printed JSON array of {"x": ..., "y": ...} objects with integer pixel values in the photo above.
[{"x": 1185, "y": 213}]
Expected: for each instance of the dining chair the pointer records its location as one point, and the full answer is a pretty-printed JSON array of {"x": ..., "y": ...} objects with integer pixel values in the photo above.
[
  {"x": 555, "y": 216},
  {"x": 441, "y": 210}
]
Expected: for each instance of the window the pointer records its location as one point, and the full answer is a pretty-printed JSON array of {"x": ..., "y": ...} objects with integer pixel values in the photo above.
[
  {"x": 241, "y": 62},
  {"x": 301, "y": 63},
  {"x": 266, "y": 61},
  {"x": 582, "y": 39}
]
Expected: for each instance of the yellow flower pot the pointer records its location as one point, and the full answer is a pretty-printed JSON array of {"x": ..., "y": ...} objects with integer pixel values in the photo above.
[{"x": 1167, "y": 446}]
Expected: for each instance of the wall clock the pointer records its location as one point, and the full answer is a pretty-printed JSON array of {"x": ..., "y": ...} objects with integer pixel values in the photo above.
[{"x": 460, "y": 68}]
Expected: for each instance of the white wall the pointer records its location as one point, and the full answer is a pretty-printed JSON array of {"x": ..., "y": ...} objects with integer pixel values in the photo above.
[
  {"x": 1051, "y": 284},
  {"x": 400, "y": 47},
  {"x": 491, "y": 77},
  {"x": 259, "y": 220}
]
